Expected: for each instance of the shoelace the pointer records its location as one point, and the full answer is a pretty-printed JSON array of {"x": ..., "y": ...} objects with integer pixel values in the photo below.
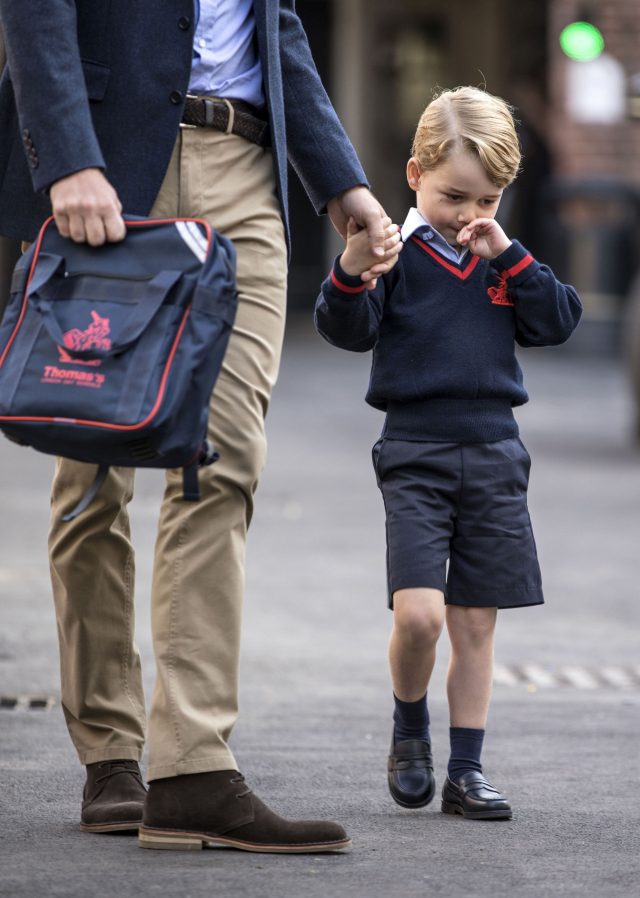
[
  {"x": 116, "y": 767},
  {"x": 240, "y": 779}
]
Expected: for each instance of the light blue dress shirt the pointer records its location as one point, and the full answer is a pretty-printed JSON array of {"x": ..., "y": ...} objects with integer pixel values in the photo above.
[{"x": 225, "y": 56}]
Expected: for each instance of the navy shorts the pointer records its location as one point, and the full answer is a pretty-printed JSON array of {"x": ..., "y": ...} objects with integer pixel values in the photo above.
[{"x": 465, "y": 503}]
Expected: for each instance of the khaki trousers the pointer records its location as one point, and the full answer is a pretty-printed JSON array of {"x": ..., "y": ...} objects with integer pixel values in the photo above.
[{"x": 199, "y": 558}]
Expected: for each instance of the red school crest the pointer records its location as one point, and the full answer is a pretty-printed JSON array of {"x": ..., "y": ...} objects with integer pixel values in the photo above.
[
  {"x": 96, "y": 336},
  {"x": 498, "y": 294}
]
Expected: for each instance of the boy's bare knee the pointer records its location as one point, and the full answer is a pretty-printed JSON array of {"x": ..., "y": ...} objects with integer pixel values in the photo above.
[
  {"x": 473, "y": 626},
  {"x": 418, "y": 614}
]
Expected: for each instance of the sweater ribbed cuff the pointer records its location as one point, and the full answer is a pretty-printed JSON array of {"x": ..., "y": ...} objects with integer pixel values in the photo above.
[
  {"x": 518, "y": 263},
  {"x": 348, "y": 284}
]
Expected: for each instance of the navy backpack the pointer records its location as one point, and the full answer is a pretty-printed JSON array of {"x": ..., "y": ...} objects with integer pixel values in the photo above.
[{"x": 109, "y": 354}]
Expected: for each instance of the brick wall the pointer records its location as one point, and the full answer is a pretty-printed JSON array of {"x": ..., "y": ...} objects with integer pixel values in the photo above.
[{"x": 585, "y": 150}]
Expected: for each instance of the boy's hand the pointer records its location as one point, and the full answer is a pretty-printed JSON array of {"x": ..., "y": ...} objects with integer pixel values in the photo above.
[
  {"x": 484, "y": 237},
  {"x": 358, "y": 258}
]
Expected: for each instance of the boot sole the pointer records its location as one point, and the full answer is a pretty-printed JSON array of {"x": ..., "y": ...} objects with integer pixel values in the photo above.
[
  {"x": 126, "y": 826},
  {"x": 170, "y": 840},
  {"x": 450, "y": 808}
]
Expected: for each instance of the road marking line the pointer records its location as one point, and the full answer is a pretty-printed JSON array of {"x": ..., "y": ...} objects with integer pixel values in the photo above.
[
  {"x": 534, "y": 676},
  {"x": 538, "y": 675},
  {"x": 617, "y": 677},
  {"x": 502, "y": 676},
  {"x": 579, "y": 677},
  {"x": 24, "y": 702}
]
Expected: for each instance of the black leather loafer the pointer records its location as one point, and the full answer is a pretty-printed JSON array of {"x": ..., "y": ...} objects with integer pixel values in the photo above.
[
  {"x": 410, "y": 773},
  {"x": 474, "y": 798}
]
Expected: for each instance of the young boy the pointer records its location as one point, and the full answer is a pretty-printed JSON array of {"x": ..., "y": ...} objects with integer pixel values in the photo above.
[{"x": 451, "y": 468}]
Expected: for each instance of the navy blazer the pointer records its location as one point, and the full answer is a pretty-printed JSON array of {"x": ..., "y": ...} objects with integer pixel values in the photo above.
[{"x": 102, "y": 83}]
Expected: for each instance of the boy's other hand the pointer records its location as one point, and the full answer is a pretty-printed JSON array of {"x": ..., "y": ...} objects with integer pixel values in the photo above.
[
  {"x": 86, "y": 208},
  {"x": 484, "y": 237},
  {"x": 358, "y": 259}
]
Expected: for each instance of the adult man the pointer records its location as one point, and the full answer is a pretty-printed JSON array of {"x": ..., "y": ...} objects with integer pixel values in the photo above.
[{"x": 96, "y": 92}]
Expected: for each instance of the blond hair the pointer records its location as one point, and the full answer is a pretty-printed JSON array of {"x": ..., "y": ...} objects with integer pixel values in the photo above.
[{"x": 470, "y": 119}]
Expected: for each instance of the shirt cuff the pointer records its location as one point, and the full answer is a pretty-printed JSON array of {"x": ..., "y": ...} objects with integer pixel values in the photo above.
[
  {"x": 516, "y": 262},
  {"x": 343, "y": 282}
]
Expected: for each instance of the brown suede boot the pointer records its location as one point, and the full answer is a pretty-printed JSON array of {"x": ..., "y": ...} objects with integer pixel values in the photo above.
[
  {"x": 217, "y": 808},
  {"x": 113, "y": 797}
]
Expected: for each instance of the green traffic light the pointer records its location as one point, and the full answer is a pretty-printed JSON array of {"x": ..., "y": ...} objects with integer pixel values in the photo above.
[{"x": 581, "y": 41}]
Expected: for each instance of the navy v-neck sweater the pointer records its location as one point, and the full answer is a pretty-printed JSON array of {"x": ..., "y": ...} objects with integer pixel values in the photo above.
[{"x": 443, "y": 337}]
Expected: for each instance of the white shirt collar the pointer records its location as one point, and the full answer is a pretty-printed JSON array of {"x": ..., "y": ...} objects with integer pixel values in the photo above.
[
  {"x": 412, "y": 223},
  {"x": 416, "y": 222}
]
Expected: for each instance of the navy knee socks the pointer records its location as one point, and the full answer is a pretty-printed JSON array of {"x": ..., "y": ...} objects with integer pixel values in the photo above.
[
  {"x": 466, "y": 748},
  {"x": 411, "y": 720}
]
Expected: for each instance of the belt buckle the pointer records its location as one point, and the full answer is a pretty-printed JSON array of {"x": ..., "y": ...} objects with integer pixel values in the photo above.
[
  {"x": 209, "y": 103},
  {"x": 232, "y": 115}
]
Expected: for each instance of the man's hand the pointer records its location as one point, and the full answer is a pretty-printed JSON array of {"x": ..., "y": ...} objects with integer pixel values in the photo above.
[
  {"x": 86, "y": 208},
  {"x": 357, "y": 257},
  {"x": 360, "y": 204},
  {"x": 484, "y": 237}
]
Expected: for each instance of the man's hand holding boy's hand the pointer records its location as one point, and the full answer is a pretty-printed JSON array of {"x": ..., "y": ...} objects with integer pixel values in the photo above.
[
  {"x": 358, "y": 258},
  {"x": 484, "y": 237}
]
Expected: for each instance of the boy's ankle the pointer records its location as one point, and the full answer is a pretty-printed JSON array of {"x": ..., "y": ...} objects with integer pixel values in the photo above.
[
  {"x": 411, "y": 720},
  {"x": 466, "y": 750}
]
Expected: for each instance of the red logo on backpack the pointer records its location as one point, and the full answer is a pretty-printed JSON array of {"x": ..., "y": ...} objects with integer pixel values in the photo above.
[{"x": 96, "y": 336}]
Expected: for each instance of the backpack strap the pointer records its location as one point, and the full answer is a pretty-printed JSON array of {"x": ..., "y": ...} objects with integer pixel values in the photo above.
[
  {"x": 19, "y": 279},
  {"x": 89, "y": 495},
  {"x": 190, "y": 485}
]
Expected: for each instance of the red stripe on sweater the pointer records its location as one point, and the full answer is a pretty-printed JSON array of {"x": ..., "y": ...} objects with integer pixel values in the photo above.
[
  {"x": 343, "y": 287},
  {"x": 463, "y": 275},
  {"x": 519, "y": 266}
]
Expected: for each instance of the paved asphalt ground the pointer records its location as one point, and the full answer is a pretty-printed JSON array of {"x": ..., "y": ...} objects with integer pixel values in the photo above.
[{"x": 315, "y": 701}]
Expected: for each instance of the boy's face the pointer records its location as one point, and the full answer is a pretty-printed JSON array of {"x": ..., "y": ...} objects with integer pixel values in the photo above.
[{"x": 453, "y": 194}]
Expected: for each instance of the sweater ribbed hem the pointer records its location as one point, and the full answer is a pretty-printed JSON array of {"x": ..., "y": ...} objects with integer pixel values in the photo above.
[
  {"x": 343, "y": 282},
  {"x": 451, "y": 420}
]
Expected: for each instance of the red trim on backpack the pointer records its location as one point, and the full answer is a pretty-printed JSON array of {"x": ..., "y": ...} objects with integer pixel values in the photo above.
[
  {"x": 129, "y": 224},
  {"x": 126, "y": 427},
  {"x": 174, "y": 347},
  {"x": 343, "y": 287},
  {"x": 463, "y": 275},
  {"x": 26, "y": 291}
]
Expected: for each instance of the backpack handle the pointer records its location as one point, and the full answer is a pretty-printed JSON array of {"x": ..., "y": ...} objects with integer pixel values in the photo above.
[{"x": 155, "y": 292}]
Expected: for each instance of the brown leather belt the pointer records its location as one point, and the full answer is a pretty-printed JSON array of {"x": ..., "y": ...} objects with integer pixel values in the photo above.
[{"x": 230, "y": 116}]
